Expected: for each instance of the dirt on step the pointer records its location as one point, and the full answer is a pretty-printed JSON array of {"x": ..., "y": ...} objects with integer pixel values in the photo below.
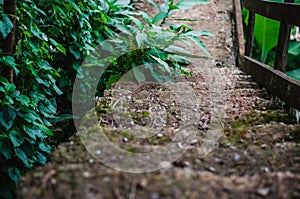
[{"x": 255, "y": 154}]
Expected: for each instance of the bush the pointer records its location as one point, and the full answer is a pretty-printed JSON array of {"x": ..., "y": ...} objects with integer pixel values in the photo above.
[{"x": 52, "y": 40}]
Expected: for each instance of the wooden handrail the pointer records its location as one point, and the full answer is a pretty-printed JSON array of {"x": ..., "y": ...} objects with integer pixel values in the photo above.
[
  {"x": 274, "y": 80},
  {"x": 288, "y": 13}
]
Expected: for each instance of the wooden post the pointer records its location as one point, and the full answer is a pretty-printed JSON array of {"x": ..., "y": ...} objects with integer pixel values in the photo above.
[
  {"x": 8, "y": 47},
  {"x": 250, "y": 34},
  {"x": 283, "y": 45}
]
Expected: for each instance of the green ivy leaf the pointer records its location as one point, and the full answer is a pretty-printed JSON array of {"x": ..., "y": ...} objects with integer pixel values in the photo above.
[
  {"x": 44, "y": 128},
  {"x": 74, "y": 52},
  {"x": 10, "y": 87},
  {"x": 6, "y": 149},
  {"x": 59, "y": 47},
  {"x": 30, "y": 132},
  {"x": 23, "y": 99},
  {"x": 62, "y": 117},
  {"x": 21, "y": 155},
  {"x": 31, "y": 117},
  {"x": 41, "y": 158},
  {"x": 7, "y": 116},
  {"x": 57, "y": 90},
  {"x": 14, "y": 174},
  {"x": 10, "y": 62},
  {"x": 6, "y": 25},
  {"x": 44, "y": 147},
  {"x": 16, "y": 138}
]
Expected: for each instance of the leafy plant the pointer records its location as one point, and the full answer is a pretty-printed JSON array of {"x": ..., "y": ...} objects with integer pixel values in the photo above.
[
  {"x": 155, "y": 38},
  {"x": 52, "y": 40},
  {"x": 45, "y": 35}
]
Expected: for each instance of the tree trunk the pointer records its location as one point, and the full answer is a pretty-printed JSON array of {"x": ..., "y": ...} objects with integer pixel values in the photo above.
[{"x": 8, "y": 47}]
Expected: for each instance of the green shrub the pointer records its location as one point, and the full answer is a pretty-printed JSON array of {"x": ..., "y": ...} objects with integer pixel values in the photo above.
[{"x": 52, "y": 40}]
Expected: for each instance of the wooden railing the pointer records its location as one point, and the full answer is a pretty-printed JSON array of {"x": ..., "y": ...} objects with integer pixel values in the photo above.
[{"x": 274, "y": 80}]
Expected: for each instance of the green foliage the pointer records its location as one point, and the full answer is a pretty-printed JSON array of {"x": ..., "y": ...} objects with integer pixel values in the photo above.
[
  {"x": 5, "y": 24},
  {"x": 154, "y": 37},
  {"x": 52, "y": 40},
  {"x": 266, "y": 36}
]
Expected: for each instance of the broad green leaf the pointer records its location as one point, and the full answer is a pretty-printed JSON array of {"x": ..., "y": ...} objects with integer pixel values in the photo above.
[
  {"x": 180, "y": 59},
  {"x": 2, "y": 89},
  {"x": 140, "y": 38},
  {"x": 44, "y": 128},
  {"x": 14, "y": 174},
  {"x": 7, "y": 116},
  {"x": 62, "y": 117},
  {"x": 199, "y": 43},
  {"x": 294, "y": 48},
  {"x": 57, "y": 90},
  {"x": 123, "y": 28},
  {"x": 153, "y": 72},
  {"x": 10, "y": 62},
  {"x": 6, "y": 25},
  {"x": 112, "y": 79},
  {"x": 23, "y": 99},
  {"x": 74, "y": 52},
  {"x": 175, "y": 49},
  {"x": 146, "y": 17},
  {"x": 6, "y": 149},
  {"x": 44, "y": 147},
  {"x": 188, "y": 4},
  {"x": 16, "y": 138},
  {"x": 107, "y": 46},
  {"x": 266, "y": 35},
  {"x": 59, "y": 47},
  {"x": 159, "y": 17},
  {"x": 10, "y": 87},
  {"x": 138, "y": 74},
  {"x": 139, "y": 24},
  {"x": 163, "y": 63},
  {"x": 31, "y": 117},
  {"x": 30, "y": 132},
  {"x": 41, "y": 158},
  {"x": 294, "y": 74},
  {"x": 22, "y": 156}
]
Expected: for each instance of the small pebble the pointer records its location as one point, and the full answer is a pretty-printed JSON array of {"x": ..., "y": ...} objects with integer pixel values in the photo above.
[
  {"x": 194, "y": 141},
  {"x": 164, "y": 164},
  {"x": 186, "y": 164},
  {"x": 263, "y": 146},
  {"x": 263, "y": 191},
  {"x": 86, "y": 174},
  {"x": 179, "y": 145},
  {"x": 236, "y": 156},
  {"x": 98, "y": 152},
  {"x": 159, "y": 135},
  {"x": 211, "y": 169},
  {"x": 91, "y": 161}
]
